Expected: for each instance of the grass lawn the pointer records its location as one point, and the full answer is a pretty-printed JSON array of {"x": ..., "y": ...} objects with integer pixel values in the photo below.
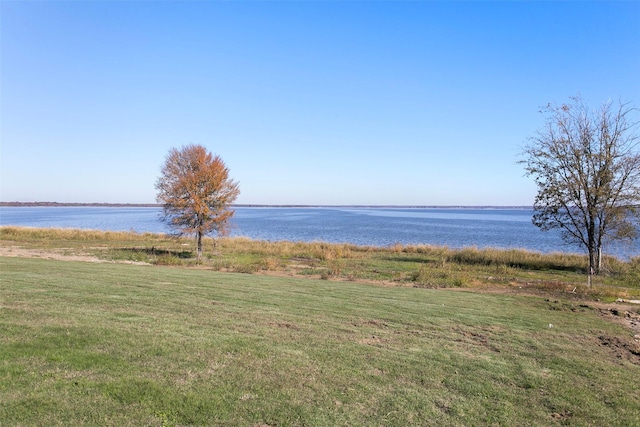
[{"x": 86, "y": 343}]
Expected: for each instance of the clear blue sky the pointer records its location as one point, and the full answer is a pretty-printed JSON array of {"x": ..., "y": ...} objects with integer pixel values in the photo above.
[{"x": 324, "y": 102}]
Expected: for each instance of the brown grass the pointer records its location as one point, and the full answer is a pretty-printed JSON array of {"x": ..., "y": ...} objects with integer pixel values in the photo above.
[{"x": 402, "y": 265}]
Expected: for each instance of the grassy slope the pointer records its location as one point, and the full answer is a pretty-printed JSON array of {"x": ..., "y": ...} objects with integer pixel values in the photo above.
[
  {"x": 422, "y": 266},
  {"x": 112, "y": 344}
]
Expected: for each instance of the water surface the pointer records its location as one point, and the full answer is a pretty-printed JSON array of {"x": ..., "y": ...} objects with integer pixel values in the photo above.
[{"x": 452, "y": 227}]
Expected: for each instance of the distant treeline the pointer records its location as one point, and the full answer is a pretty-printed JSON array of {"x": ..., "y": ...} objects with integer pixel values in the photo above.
[
  {"x": 155, "y": 205},
  {"x": 54, "y": 204}
]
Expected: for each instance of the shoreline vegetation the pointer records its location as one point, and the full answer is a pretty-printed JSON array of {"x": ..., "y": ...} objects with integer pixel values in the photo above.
[
  {"x": 423, "y": 266},
  {"x": 121, "y": 328},
  {"x": 253, "y": 205}
]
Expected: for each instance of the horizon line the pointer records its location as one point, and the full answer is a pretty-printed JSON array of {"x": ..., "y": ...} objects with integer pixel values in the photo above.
[{"x": 260, "y": 205}]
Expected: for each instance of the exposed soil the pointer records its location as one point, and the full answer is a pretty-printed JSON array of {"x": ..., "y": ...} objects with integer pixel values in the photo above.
[
  {"x": 619, "y": 312},
  {"x": 627, "y": 315},
  {"x": 622, "y": 348},
  {"x": 623, "y": 312},
  {"x": 61, "y": 254}
]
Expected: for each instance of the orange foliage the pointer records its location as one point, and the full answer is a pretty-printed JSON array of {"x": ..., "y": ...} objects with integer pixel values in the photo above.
[{"x": 196, "y": 192}]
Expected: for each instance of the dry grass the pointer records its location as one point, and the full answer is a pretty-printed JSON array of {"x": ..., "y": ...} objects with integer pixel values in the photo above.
[
  {"x": 414, "y": 265},
  {"x": 54, "y": 234}
]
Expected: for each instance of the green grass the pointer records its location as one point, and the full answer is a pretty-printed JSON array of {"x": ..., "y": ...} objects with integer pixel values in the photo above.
[
  {"x": 127, "y": 345},
  {"x": 420, "y": 266}
]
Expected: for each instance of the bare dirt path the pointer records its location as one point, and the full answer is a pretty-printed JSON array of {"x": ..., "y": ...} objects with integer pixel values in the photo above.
[{"x": 60, "y": 254}]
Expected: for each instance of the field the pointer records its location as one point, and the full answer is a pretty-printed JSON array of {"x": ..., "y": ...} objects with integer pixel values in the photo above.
[{"x": 123, "y": 329}]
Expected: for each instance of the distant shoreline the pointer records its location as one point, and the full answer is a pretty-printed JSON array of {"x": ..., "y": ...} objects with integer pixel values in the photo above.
[
  {"x": 244, "y": 205},
  {"x": 55, "y": 204}
]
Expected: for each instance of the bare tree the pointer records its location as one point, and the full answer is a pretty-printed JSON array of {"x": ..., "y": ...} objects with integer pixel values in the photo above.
[
  {"x": 587, "y": 169},
  {"x": 196, "y": 192}
]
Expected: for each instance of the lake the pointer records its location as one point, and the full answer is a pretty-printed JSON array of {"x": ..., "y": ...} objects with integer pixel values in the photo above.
[{"x": 452, "y": 227}]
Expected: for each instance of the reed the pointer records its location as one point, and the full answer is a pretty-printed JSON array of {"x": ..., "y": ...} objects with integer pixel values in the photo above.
[
  {"x": 518, "y": 258},
  {"x": 26, "y": 233}
]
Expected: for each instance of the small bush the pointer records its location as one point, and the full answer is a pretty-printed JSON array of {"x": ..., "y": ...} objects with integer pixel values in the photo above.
[
  {"x": 425, "y": 278},
  {"x": 167, "y": 259},
  {"x": 271, "y": 263},
  {"x": 518, "y": 258},
  {"x": 245, "y": 268}
]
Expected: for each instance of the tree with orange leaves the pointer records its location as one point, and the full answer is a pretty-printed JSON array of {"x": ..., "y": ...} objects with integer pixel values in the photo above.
[{"x": 196, "y": 192}]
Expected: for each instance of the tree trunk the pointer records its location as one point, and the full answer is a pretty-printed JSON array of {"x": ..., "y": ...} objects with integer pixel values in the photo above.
[
  {"x": 199, "y": 239},
  {"x": 593, "y": 264},
  {"x": 593, "y": 261},
  {"x": 599, "y": 259}
]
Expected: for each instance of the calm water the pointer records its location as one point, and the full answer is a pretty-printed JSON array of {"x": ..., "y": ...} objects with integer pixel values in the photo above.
[{"x": 498, "y": 228}]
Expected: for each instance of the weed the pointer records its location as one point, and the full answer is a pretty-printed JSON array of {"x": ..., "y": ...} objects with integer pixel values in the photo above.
[
  {"x": 426, "y": 278},
  {"x": 271, "y": 263}
]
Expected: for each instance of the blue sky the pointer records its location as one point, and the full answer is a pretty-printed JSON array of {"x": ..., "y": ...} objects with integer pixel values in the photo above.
[{"x": 324, "y": 102}]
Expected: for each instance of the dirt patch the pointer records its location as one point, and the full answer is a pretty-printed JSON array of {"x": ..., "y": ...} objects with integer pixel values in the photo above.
[
  {"x": 55, "y": 254},
  {"x": 61, "y": 254},
  {"x": 370, "y": 322},
  {"x": 372, "y": 340},
  {"x": 624, "y": 314},
  {"x": 562, "y": 416},
  {"x": 622, "y": 348},
  {"x": 477, "y": 337},
  {"x": 284, "y": 325}
]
